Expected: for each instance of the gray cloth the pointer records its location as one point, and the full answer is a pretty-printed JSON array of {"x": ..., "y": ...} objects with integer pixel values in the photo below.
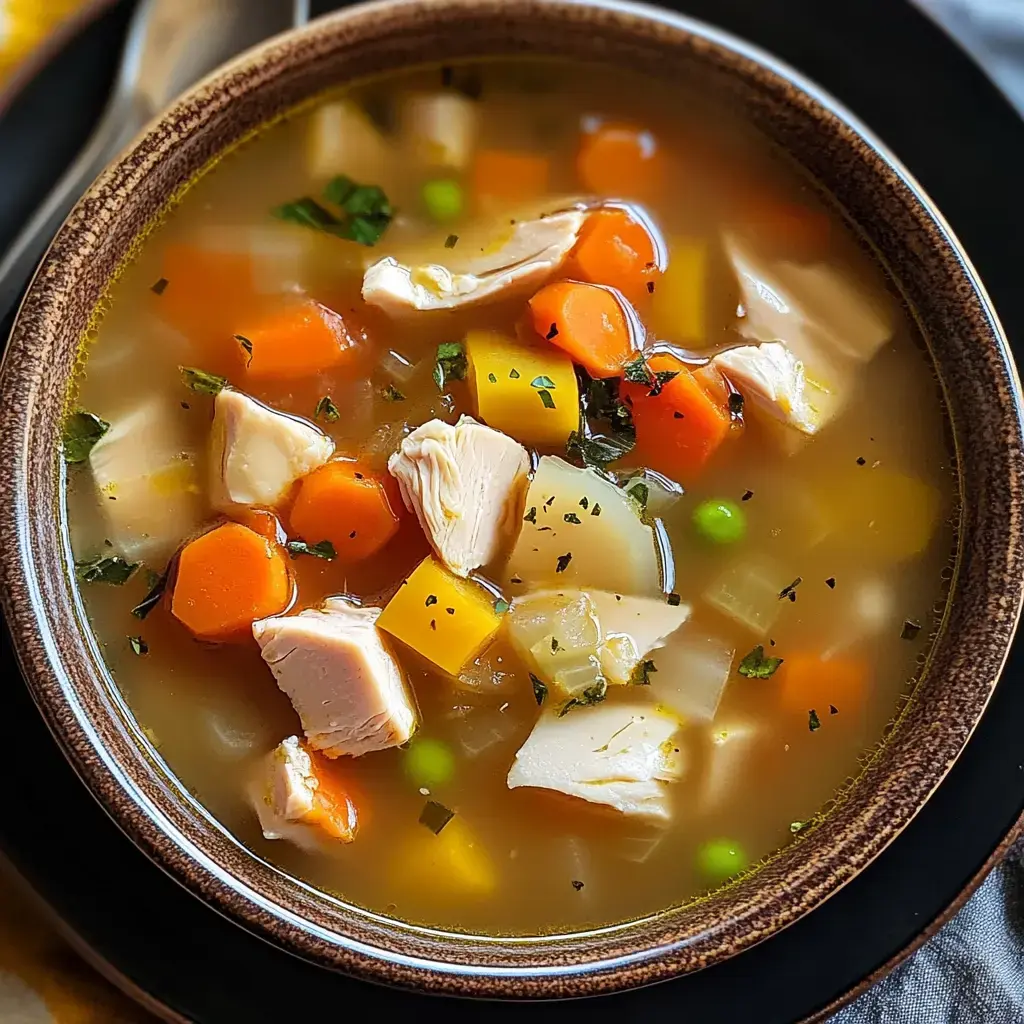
[{"x": 972, "y": 972}]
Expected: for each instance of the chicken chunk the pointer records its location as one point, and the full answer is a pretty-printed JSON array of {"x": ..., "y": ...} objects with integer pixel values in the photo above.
[
  {"x": 621, "y": 755},
  {"x": 439, "y": 128},
  {"x": 631, "y": 628},
  {"x": 466, "y": 485},
  {"x": 257, "y": 453},
  {"x": 293, "y": 801},
  {"x": 344, "y": 683},
  {"x": 534, "y": 250},
  {"x": 774, "y": 379},
  {"x": 147, "y": 480}
]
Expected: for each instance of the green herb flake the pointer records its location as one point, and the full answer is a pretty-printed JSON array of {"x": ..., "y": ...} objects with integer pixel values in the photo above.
[
  {"x": 756, "y": 666},
  {"x": 81, "y": 432},
  {"x": 152, "y": 599},
  {"x": 797, "y": 826},
  {"x": 202, "y": 382},
  {"x": 790, "y": 590},
  {"x": 736, "y": 407},
  {"x": 324, "y": 549},
  {"x": 138, "y": 645},
  {"x": 531, "y": 516},
  {"x": 591, "y": 695},
  {"x": 638, "y": 372},
  {"x": 392, "y": 394},
  {"x": 542, "y": 382},
  {"x": 540, "y": 690},
  {"x": 492, "y": 378},
  {"x": 661, "y": 378},
  {"x": 639, "y": 492},
  {"x": 501, "y": 606},
  {"x": 159, "y": 286},
  {"x": 112, "y": 569},
  {"x": 435, "y": 816},
  {"x": 571, "y": 517},
  {"x": 563, "y": 562},
  {"x": 451, "y": 363},
  {"x": 552, "y": 333},
  {"x": 513, "y": 374},
  {"x": 451, "y": 241},
  {"x": 813, "y": 722},
  {"x": 641, "y": 674},
  {"x": 596, "y": 510},
  {"x": 431, "y": 599},
  {"x": 596, "y": 451},
  {"x": 545, "y": 398},
  {"x": 327, "y": 410},
  {"x": 577, "y": 884},
  {"x": 366, "y": 207},
  {"x": 584, "y": 503},
  {"x": 246, "y": 348}
]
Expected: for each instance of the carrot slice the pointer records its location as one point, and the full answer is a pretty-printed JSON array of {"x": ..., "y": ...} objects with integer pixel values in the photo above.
[
  {"x": 226, "y": 580},
  {"x": 620, "y": 160},
  {"x": 589, "y": 322},
  {"x": 678, "y": 429},
  {"x": 299, "y": 340},
  {"x": 504, "y": 176},
  {"x": 260, "y": 521},
  {"x": 618, "y": 250},
  {"x": 349, "y": 505},
  {"x": 810, "y": 682},
  {"x": 333, "y": 809}
]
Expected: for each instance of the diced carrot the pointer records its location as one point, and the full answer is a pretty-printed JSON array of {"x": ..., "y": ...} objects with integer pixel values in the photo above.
[
  {"x": 787, "y": 228},
  {"x": 504, "y": 176},
  {"x": 349, "y": 505},
  {"x": 226, "y": 580},
  {"x": 679, "y": 428},
  {"x": 260, "y": 521},
  {"x": 334, "y": 810},
  {"x": 810, "y": 682},
  {"x": 618, "y": 250},
  {"x": 590, "y": 322},
  {"x": 299, "y": 340},
  {"x": 620, "y": 160},
  {"x": 203, "y": 291}
]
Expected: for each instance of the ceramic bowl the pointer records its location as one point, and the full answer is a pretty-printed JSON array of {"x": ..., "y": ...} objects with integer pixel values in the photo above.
[{"x": 74, "y": 692}]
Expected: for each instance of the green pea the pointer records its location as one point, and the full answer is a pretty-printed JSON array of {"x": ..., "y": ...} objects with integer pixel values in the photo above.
[
  {"x": 719, "y": 521},
  {"x": 429, "y": 762},
  {"x": 720, "y": 859},
  {"x": 443, "y": 199}
]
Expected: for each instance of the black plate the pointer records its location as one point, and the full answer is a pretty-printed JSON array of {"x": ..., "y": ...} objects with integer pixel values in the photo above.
[{"x": 963, "y": 141}]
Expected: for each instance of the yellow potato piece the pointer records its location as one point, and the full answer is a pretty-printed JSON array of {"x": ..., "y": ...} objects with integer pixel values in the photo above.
[
  {"x": 445, "y": 619},
  {"x": 679, "y": 311},
  {"x": 453, "y": 860},
  {"x": 883, "y": 513},
  {"x": 508, "y": 384}
]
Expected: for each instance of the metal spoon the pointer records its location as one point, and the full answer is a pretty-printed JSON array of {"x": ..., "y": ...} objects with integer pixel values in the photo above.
[{"x": 171, "y": 44}]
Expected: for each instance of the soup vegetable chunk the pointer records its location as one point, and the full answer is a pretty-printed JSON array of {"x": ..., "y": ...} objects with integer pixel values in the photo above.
[{"x": 508, "y": 496}]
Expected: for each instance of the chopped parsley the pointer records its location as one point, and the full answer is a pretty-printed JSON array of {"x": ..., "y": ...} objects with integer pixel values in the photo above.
[
  {"x": 152, "y": 599},
  {"x": 596, "y": 451},
  {"x": 756, "y": 665},
  {"x": 552, "y": 332},
  {"x": 435, "y": 816},
  {"x": 542, "y": 382},
  {"x": 596, "y": 510},
  {"x": 593, "y": 694},
  {"x": 641, "y": 674},
  {"x": 112, "y": 569},
  {"x": 324, "y": 549},
  {"x": 431, "y": 599},
  {"x": 735, "y": 407},
  {"x": 159, "y": 286},
  {"x": 638, "y": 372},
  {"x": 797, "y": 826},
  {"x": 789, "y": 591},
  {"x": 831, "y": 583},
  {"x": 202, "y": 382},
  {"x": 451, "y": 363},
  {"x": 747, "y": 495},
  {"x": 563, "y": 562},
  {"x": 367, "y": 211},
  {"x": 392, "y": 394},
  {"x": 555, "y": 645},
  {"x": 571, "y": 517},
  {"x": 650, "y": 287},
  {"x": 813, "y": 722},
  {"x": 540, "y": 690},
  {"x": 639, "y": 492},
  {"x": 500, "y": 607},
  {"x": 545, "y": 398},
  {"x": 531, "y": 516},
  {"x": 584, "y": 503},
  {"x": 492, "y": 378},
  {"x": 513, "y": 374},
  {"x": 246, "y": 348},
  {"x": 81, "y": 432},
  {"x": 910, "y": 629},
  {"x": 861, "y": 461},
  {"x": 138, "y": 645},
  {"x": 576, "y": 883},
  {"x": 326, "y": 409},
  {"x": 451, "y": 241},
  {"x": 833, "y": 710}
]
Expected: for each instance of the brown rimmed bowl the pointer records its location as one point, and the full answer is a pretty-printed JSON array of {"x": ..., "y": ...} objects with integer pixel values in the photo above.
[{"x": 73, "y": 690}]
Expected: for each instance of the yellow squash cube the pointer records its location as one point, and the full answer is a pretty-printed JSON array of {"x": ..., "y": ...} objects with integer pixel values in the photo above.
[
  {"x": 528, "y": 393},
  {"x": 452, "y": 862},
  {"x": 679, "y": 311},
  {"x": 446, "y": 619}
]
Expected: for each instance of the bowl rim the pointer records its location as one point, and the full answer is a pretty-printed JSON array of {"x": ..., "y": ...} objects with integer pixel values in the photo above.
[{"x": 28, "y": 599}]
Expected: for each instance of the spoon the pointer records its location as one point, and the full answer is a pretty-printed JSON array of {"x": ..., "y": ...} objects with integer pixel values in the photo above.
[{"x": 171, "y": 44}]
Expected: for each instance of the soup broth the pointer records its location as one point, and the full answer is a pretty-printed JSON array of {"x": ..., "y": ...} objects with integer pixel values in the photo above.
[{"x": 777, "y": 518}]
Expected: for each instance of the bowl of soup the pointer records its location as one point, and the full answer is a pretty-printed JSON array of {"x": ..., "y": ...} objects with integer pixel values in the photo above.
[{"x": 510, "y": 499}]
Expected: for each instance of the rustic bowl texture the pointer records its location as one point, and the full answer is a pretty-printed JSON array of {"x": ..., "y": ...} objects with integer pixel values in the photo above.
[{"x": 73, "y": 690}]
